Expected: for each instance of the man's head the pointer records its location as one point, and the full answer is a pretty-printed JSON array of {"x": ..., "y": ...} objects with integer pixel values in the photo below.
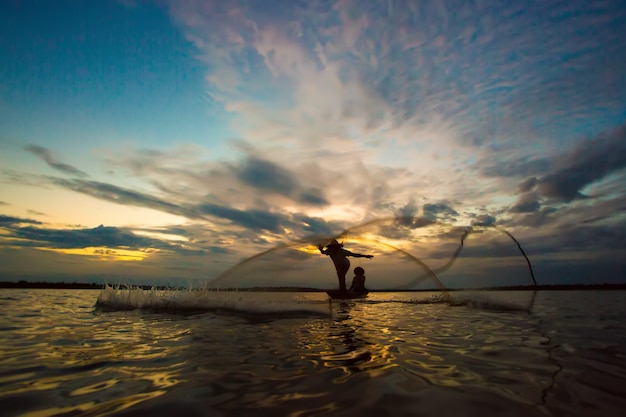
[{"x": 334, "y": 244}]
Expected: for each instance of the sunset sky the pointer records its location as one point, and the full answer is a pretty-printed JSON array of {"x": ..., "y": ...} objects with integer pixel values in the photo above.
[{"x": 164, "y": 142}]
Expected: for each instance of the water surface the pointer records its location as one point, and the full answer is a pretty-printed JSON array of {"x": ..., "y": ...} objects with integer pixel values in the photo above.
[{"x": 560, "y": 353}]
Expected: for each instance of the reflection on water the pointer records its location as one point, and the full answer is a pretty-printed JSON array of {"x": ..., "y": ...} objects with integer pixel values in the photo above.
[
  {"x": 346, "y": 347},
  {"x": 59, "y": 356},
  {"x": 398, "y": 353}
]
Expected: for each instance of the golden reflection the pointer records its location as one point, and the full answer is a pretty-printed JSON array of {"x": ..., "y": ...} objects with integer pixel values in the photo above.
[
  {"x": 277, "y": 399},
  {"x": 90, "y": 389},
  {"x": 162, "y": 379},
  {"x": 352, "y": 348},
  {"x": 12, "y": 378},
  {"x": 101, "y": 407},
  {"x": 60, "y": 410}
]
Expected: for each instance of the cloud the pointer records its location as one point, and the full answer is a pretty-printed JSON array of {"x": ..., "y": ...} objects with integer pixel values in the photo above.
[
  {"x": 254, "y": 219},
  {"x": 313, "y": 197},
  {"x": 267, "y": 176},
  {"x": 101, "y": 236},
  {"x": 111, "y": 237},
  {"x": 592, "y": 239},
  {"x": 346, "y": 111},
  {"x": 270, "y": 177},
  {"x": 591, "y": 161},
  {"x": 607, "y": 209},
  {"x": 181, "y": 174},
  {"x": 45, "y": 155},
  {"x": 539, "y": 217},
  {"x": 409, "y": 210},
  {"x": 439, "y": 211},
  {"x": 312, "y": 58},
  {"x": 10, "y": 220},
  {"x": 514, "y": 165},
  {"x": 483, "y": 220},
  {"x": 526, "y": 203},
  {"x": 316, "y": 225},
  {"x": 256, "y": 180},
  {"x": 380, "y": 86},
  {"x": 528, "y": 184},
  {"x": 120, "y": 195}
]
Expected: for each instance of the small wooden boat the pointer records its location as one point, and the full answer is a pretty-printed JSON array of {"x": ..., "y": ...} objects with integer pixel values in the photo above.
[{"x": 345, "y": 295}]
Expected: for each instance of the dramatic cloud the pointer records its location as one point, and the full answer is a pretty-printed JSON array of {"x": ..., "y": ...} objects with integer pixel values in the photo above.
[
  {"x": 49, "y": 159},
  {"x": 268, "y": 176},
  {"x": 111, "y": 237},
  {"x": 382, "y": 65},
  {"x": 254, "y": 219},
  {"x": 101, "y": 236},
  {"x": 340, "y": 83},
  {"x": 590, "y": 162},
  {"x": 313, "y": 117}
]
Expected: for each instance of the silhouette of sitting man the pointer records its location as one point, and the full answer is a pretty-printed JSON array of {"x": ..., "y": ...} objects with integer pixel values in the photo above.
[
  {"x": 340, "y": 258},
  {"x": 358, "y": 282}
]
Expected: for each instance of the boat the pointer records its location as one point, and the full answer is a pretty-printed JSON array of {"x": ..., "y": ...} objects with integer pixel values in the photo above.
[{"x": 345, "y": 295}]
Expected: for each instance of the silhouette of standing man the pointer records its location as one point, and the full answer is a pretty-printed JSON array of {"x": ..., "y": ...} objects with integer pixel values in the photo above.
[{"x": 340, "y": 258}]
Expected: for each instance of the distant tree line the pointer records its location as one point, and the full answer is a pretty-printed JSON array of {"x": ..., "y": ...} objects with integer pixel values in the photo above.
[
  {"x": 43, "y": 284},
  {"x": 95, "y": 286}
]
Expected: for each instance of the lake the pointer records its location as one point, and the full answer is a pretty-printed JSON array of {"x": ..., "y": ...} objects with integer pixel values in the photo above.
[{"x": 208, "y": 353}]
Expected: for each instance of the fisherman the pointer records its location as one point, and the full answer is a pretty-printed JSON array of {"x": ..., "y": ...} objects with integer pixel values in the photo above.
[
  {"x": 358, "y": 282},
  {"x": 340, "y": 258}
]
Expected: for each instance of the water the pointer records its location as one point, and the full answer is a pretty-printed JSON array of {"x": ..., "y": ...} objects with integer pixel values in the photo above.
[{"x": 296, "y": 354}]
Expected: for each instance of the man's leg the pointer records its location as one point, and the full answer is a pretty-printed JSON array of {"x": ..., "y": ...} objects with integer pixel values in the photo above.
[{"x": 341, "y": 276}]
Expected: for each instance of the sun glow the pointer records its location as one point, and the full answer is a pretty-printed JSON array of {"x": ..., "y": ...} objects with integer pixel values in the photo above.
[{"x": 164, "y": 236}]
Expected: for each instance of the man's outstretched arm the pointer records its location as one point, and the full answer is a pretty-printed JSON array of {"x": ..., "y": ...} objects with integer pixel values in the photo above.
[{"x": 359, "y": 255}]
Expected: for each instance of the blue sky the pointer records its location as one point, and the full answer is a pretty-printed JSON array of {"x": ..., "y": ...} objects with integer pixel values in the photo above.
[{"x": 167, "y": 141}]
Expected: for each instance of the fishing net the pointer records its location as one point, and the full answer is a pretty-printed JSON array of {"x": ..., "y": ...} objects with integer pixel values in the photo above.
[{"x": 409, "y": 253}]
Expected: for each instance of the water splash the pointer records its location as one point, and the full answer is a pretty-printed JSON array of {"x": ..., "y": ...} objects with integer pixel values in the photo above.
[{"x": 117, "y": 299}]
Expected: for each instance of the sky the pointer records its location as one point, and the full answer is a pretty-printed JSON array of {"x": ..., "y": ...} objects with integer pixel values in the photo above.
[{"x": 166, "y": 142}]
